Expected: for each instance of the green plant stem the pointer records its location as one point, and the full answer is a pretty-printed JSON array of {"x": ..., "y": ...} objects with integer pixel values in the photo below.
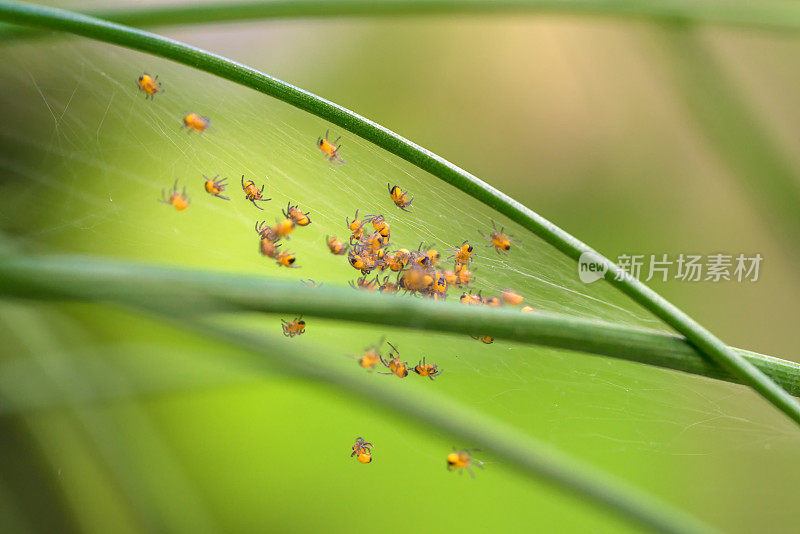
[
  {"x": 85, "y": 278},
  {"x": 703, "y": 340},
  {"x": 771, "y": 15}
]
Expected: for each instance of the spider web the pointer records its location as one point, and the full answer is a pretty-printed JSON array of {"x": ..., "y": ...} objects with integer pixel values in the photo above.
[{"x": 85, "y": 159}]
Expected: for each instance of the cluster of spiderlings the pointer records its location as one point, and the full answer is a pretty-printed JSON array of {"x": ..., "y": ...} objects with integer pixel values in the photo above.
[
  {"x": 417, "y": 272},
  {"x": 372, "y": 356},
  {"x": 271, "y": 235}
]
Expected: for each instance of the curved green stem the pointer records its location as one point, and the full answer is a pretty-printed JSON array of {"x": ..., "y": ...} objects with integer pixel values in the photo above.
[
  {"x": 783, "y": 16},
  {"x": 95, "y": 279},
  {"x": 705, "y": 342}
]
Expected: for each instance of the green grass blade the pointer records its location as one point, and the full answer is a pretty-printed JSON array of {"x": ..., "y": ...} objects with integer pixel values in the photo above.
[
  {"x": 94, "y": 279},
  {"x": 699, "y": 337},
  {"x": 781, "y": 16}
]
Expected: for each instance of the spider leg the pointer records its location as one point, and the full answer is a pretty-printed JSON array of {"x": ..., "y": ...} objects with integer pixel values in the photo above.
[
  {"x": 223, "y": 198},
  {"x": 256, "y": 205}
]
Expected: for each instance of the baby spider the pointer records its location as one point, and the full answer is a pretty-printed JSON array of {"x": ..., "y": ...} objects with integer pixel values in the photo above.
[
  {"x": 294, "y": 328},
  {"x": 331, "y": 150},
  {"x": 356, "y": 228},
  {"x": 335, "y": 245},
  {"x": 195, "y": 122},
  {"x": 362, "y": 450},
  {"x": 265, "y": 231},
  {"x": 150, "y": 85},
  {"x": 392, "y": 261},
  {"x": 462, "y": 460},
  {"x": 283, "y": 228},
  {"x": 310, "y": 283},
  {"x": 463, "y": 254},
  {"x": 400, "y": 198},
  {"x": 380, "y": 225},
  {"x": 463, "y": 275},
  {"x": 484, "y": 339},
  {"x": 253, "y": 193},
  {"x": 499, "y": 240},
  {"x": 286, "y": 259},
  {"x": 471, "y": 299},
  {"x": 512, "y": 297},
  {"x": 179, "y": 200},
  {"x": 492, "y": 302},
  {"x": 371, "y": 356},
  {"x": 215, "y": 187},
  {"x": 364, "y": 264},
  {"x": 450, "y": 277},
  {"x": 363, "y": 283},
  {"x": 268, "y": 247},
  {"x": 386, "y": 287},
  {"x": 427, "y": 369},
  {"x": 396, "y": 367},
  {"x": 296, "y": 215}
]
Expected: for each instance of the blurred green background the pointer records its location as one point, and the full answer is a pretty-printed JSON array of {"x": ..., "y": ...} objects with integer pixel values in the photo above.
[{"x": 114, "y": 422}]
